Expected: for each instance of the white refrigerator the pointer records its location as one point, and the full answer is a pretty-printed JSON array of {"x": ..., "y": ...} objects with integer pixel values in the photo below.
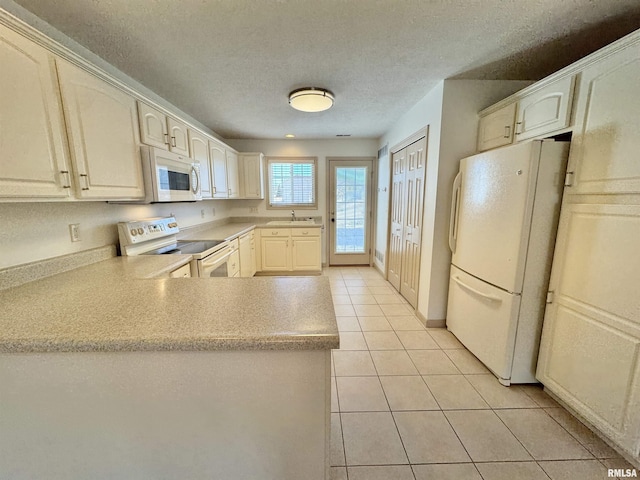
[{"x": 504, "y": 217}]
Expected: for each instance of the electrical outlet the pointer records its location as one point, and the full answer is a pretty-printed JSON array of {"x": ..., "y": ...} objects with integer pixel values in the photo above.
[
  {"x": 74, "y": 231},
  {"x": 202, "y": 213},
  {"x": 213, "y": 212},
  {"x": 253, "y": 209}
]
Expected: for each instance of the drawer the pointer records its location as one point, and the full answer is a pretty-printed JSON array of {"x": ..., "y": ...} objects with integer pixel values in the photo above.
[
  {"x": 305, "y": 232},
  {"x": 182, "y": 272},
  {"x": 234, "y": 244},
  {"x": 275, "y": 232}
]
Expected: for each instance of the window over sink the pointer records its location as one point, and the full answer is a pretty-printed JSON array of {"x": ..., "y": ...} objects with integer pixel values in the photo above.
[{"x": 292, "y": 182}]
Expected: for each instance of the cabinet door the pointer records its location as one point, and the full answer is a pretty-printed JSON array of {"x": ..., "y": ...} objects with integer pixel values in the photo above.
[
  {"x": 606, "y": 139},
  {"x": 178, "y": 137},
  {"x": 496, "y": 129},
  {"x": 246, "y": 268},
  {"x": 182, "y": 272},
  {"x": 233, "y": 177},
  {"x": 153, "y": 126},
  {"x": 252, "y": 175},
  {"x": 199, "y": 147},
  {"x": 546, "y": 110},
  {"x": 276, "y": 254},
  {"x": 102, "y": 126},
  {"x": 253, "y": 260},
  {"x": 233, "y": 264},
  {"x": 33, "y": 159},
  {"x": 306, "y": 254},
  {"x": 218, "y": 159},
  {"x": 591, "y": 334}
]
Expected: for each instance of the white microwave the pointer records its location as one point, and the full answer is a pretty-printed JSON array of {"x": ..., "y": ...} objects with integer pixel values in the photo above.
[{"x": 169, "y": 177}]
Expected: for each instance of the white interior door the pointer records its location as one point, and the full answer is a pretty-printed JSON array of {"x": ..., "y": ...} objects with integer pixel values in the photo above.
[
  {"x": 350, "y": 212},
  {"x": 399, "y": 162}
]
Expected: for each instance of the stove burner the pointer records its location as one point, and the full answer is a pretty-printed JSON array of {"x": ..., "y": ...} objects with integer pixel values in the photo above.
[{"x": 184, "y": 247}]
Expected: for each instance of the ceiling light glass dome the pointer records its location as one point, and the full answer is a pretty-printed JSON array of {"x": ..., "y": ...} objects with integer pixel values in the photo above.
[{"x": 311, "y": 99}]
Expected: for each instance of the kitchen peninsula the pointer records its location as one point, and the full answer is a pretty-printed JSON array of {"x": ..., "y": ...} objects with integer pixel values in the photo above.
[{"x": 107, "y": 374}]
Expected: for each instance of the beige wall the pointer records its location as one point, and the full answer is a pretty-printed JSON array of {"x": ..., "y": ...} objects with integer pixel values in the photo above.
[
  {"x": 450, "y": 112},
  {"x": 35, "y": 231}
]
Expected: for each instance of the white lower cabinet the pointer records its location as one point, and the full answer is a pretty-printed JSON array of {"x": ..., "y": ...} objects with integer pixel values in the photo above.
[
  {"x": 306, "y": 251},
  {"x": 233, "y": 264},
  {"x": 276, "y": 256},
  {"x": 102, "y": 127},
  {"x": 247, "y": 255},
  {"x": 291, "y": 249},
  {"x": 182, "y": 272}
]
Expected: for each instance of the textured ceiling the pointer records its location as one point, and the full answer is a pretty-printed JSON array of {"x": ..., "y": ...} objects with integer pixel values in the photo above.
[{"x": 232, "y": 63}]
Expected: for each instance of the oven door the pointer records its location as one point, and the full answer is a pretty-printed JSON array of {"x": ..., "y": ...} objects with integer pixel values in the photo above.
[{"x": 216, "y": 264}]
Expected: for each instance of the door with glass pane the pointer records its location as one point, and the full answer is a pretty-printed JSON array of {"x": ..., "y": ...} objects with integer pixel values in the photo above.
[{"x": 350, "y": 212}]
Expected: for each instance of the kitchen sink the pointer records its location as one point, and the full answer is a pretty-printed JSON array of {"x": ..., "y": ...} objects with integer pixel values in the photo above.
[{"x": 291, "y": 222}]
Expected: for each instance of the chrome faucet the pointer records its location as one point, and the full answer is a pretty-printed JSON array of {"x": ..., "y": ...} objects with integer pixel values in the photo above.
[{"x": 293, "y": 215}]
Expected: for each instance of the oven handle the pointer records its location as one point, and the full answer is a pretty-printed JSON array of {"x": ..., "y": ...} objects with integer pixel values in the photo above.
[{"x": 220, "y": 256}]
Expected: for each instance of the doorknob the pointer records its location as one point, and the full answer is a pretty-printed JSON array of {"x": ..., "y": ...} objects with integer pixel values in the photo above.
[{"x": 333, "y": 219}]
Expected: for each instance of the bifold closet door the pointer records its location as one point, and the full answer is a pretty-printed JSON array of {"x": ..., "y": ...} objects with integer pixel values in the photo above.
[
  {"x": 407, "y": 207},
  {"x": 412, "y": 231},
  {"x": 399, "y": 163}
]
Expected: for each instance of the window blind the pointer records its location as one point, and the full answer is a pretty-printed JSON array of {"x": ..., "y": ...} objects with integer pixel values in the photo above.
[{"x": 292, "y": 182}]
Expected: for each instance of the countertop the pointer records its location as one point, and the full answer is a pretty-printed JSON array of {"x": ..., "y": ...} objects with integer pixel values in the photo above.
[
  {"x": 230, "y": 231},
  {"x": 113, "y": 305}
]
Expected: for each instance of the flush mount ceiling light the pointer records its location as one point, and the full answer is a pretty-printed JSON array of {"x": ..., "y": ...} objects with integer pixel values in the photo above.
[{"x": 311, "y": 99}]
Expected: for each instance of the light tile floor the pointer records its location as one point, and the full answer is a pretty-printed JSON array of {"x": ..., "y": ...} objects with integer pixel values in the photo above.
[{"x": 411, "y": 403}]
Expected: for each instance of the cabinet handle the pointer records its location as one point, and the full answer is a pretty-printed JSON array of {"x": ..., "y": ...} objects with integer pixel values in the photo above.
[
  {"x": 86, "y": 181},
  {"x": 518, "y": 128},
  {"x": 274, "y": 233},
  {"x": 166, "y": 138},
  {"x": 507, "y": 131},
  {"x": 305, "y": 233},
  {"x": 173, "y": 141},
  {"x": 68, "y": 182},
  {"x": 214, "y": 190}
]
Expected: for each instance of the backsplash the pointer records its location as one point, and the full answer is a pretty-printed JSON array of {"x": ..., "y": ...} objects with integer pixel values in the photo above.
[{"x": 37, "y": 231}]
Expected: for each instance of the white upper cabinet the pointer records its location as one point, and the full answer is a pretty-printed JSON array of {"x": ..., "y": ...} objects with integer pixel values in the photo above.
[
  {"x": 606, "y": 139},
  {"x": 251, "y": 175},
  {"x": 162, "y": 131},
  {"x": 233, "y": 174},
  {"x": 33, "y": 161},
  {"x": 496, "y": 128},
  {"x": 153, "y": 127},
  {"x": 218, "y": 158},
  {"x": 178, "y": 137},
  {"x": 199, "y": 147},
  {"x": 102, "y": 128},
  {"x": 545, "y": 110}
]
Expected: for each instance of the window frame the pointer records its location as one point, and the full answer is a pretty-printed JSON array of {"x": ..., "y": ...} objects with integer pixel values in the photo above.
[{"x": 292, "y": 206}]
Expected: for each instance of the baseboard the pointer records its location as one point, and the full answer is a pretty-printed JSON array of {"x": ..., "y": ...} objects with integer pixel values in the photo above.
[{"x": 431, "y": 323}]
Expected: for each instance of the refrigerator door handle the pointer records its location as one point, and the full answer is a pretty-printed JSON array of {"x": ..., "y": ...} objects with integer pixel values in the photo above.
[
  {"x": 493, "y": 298},
  {"x": 453, "y": 220}
]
